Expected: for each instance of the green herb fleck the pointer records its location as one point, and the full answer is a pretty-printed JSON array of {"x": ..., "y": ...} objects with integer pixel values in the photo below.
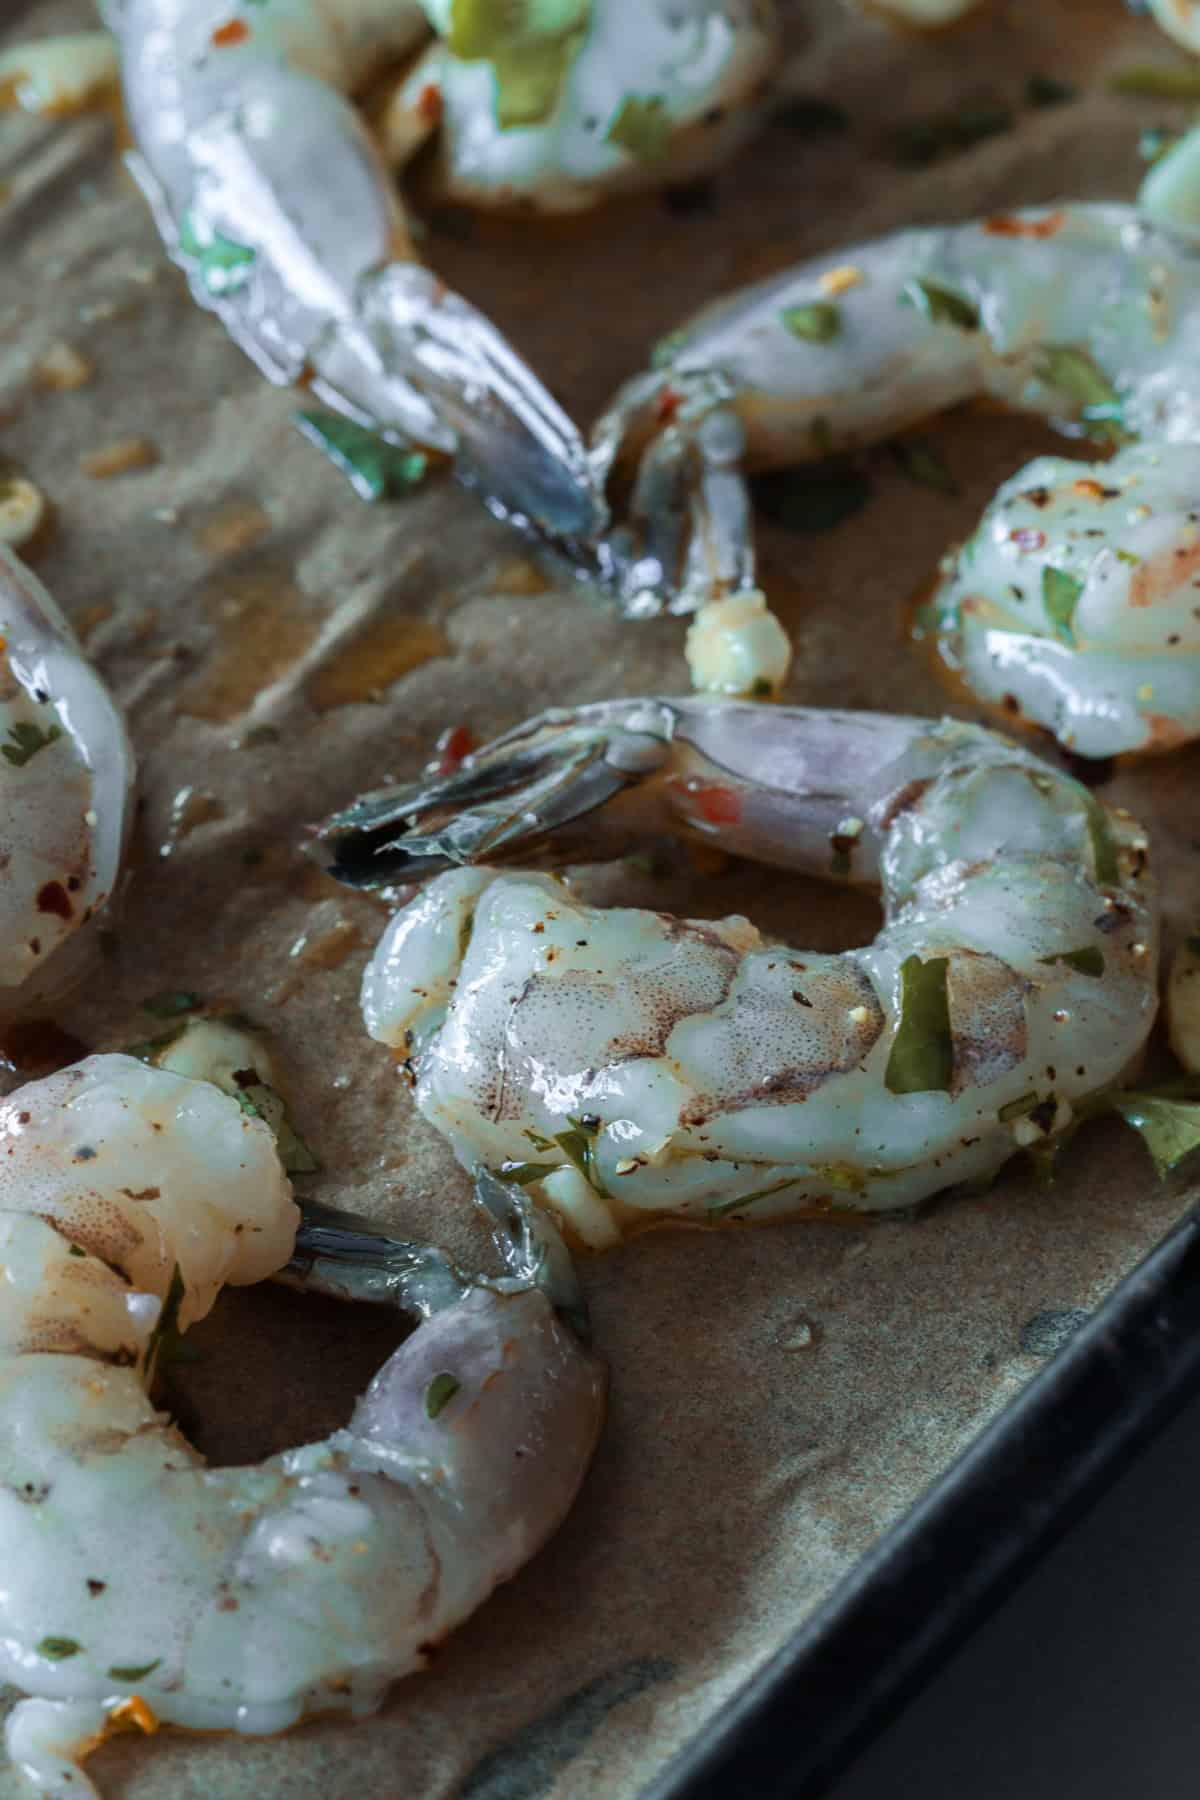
[
  {"x": 75, "y": 1250},
  {"x": 922, "y": 465},
  {"x": 133, "y": 1672},
  {"x": 813, "y": 499},
  {"x": 58, "y": 1648},
  {"x": 816, "y": 323},
  {"x": 761, "y": 689},
  {"x": 1060, "y": 596},
  {"x": 164, "y": 1338},
  {"x": 224, "y": 265},
  {"x": 844, "y": 1176},
  {"x": 522, "y": 1173},
  {"x": 579, "y": 1147},
  {"x": 1088, "y": 961},
  {"x": 1157, "y": 81},
  {"x": 721, "y": 1208},
  {"x": 642, "y": 125},
  {"x": 1047, "y": 90},
  {"x": 922, "y": 1056},
  {"x": 1017, "y": 1109},
  {"x": 375, "y": 469},
  {"x": 1127, "y": 556},
  {"x": 1169, "y": 1128},
  {"x": 1104, "y": 844},
  {"x": 530, "y": 60},
  {"x": 1076, "y": 375},
  {"x": 168, "y": 1005},
  {"x": 538, "y": 1141},
  {"x": 940, "y": 305},
  {"x": 27, "y": 740},
  {"x": 439, "y": 1393},
  {"x": 812, "y": 117}
]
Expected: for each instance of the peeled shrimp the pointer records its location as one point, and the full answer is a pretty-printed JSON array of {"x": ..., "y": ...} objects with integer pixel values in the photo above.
[
  {"x": 270, "y": 193},
  {"x": 630, "y": 1066},
  {"x": 1089, "y": 315},
  {"x": 66, "y": 777},
  {"x": 141, "y": 1587}
]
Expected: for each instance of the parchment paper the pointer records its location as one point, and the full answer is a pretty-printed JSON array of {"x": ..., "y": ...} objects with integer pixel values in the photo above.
[{"x": 778, "y": 1397}]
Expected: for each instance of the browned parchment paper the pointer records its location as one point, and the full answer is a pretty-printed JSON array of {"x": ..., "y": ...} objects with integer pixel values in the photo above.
[{"x": 780, "y": 1397}]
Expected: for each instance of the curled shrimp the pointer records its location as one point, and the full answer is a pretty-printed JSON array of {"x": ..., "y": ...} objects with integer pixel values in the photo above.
[
  {"x": 141, "y": 1586},
  {"x": 66, "y": 778},
  {"x": 1089, "y": 315},
  {"x": 630, "y": 1066}
]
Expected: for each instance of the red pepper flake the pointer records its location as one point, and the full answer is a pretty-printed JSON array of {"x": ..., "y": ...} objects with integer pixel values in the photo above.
[
  {"x": 453, "y": 747},
  {"x": 669, "y": 403},
  {"x": 716, "y": 805},
  {"x": 234, "y": 31},
  {"x": 429, "y": 104},
  {"x": 54, "y": 898},
  {"x": 1007, "y": 225},
  {"x": 1028, "y": 539}
]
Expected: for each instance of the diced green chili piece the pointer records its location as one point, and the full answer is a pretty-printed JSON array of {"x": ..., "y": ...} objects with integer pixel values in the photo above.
[
  {"x": 439, "y": 1393},
  {"x": 1060, "y": 596},
  {"x": 940, "y": 305},
  {"x": 817, "y": 322},
  {"x": 922, "y": 1055}
]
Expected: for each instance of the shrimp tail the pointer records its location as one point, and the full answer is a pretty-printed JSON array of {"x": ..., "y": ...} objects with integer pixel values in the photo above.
[
  {"x": 685, "y": 536},
  {"x": 347, "y": 1257},
  {"x": 532, "y": 1248},
  {"x": 547, "y": 780}
]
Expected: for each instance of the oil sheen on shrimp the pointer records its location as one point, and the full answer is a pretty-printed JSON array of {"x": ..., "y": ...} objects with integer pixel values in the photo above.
[
  {"x": 630, "y": 1065},
  {"x": 276, "y": 201},
  {"x": 141, "y": 1587},
  {"x": 66, "y": 777},
  {"x": 1089, "y": 315}
]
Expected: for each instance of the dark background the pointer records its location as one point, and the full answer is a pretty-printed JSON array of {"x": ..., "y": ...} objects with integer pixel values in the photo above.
[{"x": 1085, "y": 1684}]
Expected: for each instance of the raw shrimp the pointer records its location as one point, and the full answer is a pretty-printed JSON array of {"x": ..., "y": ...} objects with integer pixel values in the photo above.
[
  {"x": 65, "y": 786},
  {"x": 141, "y": 1587},
  {"x": 272, "y": 196},
  {"x": 629, "y": 1065},
  {"x": 1074, "y": 602}
]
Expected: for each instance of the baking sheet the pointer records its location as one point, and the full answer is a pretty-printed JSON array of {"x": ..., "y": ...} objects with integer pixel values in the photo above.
[{"x": 780, "y": 1397}]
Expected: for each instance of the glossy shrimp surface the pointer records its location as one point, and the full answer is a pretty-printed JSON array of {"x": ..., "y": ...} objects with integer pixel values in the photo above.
[
  {"x": 631, "y": 1065},
  {"x": 584, "y": 97},
  {"x": 140, "y": 1586},
  {"x": 1089, "y": 315},
  {"x": 272, "y": 195},
  {"x": 66, "y": 775}
]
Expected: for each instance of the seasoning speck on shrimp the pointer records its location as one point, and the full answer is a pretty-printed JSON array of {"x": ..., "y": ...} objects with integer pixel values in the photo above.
[
  {"x": 630, "y": 1065},
  {"x": 1089, "y": 315},
  {"x": 139, "y": 1584},
  {"x": 271, "y": 194},
  {"x": 66, "y": 775}
]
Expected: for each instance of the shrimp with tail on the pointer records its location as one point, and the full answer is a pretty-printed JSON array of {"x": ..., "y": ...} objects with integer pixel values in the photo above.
[
  {"x": 141, "y": 1587},
  {"x": 272, "y": 195},
  {"x": 631, "y": 1067},
  {"x": 1073, "y": 603}
]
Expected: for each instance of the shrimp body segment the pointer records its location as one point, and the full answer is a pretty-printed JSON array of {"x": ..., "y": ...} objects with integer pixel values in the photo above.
[
  {"x": 66, "y": 777},
  {"x": 240, "y": 1599},
  {"x": 1089, "y": 315},
  {"x": 635, "y": 1065}
]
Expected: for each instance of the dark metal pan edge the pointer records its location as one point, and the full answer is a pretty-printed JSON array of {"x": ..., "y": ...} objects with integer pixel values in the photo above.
[{"x": 936, "y": 1575}]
